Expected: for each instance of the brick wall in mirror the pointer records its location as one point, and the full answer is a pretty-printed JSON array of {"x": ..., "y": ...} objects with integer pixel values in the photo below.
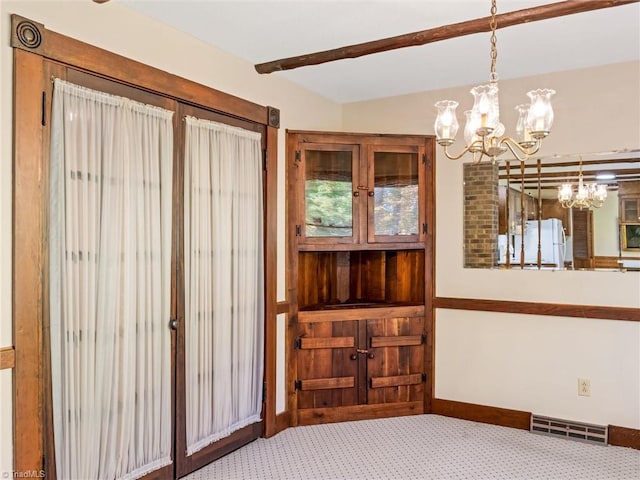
[{"x": 515, "y": 218}]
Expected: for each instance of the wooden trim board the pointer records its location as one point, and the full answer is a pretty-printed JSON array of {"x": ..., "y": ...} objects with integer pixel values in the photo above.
[
  {"x": 534, "y": 308},
  {"x": 7, "y": 358}
]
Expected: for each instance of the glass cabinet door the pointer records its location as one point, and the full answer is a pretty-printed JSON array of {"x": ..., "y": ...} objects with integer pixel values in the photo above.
[
  {"x": 329, "y": 174},
  {"x": 395, "y": 195},
  {"x": 630, "y": 210}
]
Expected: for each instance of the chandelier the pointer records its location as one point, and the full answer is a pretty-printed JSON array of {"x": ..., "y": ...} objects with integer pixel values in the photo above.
[
  {"x": 483, "y": 131},
  {"x": 587, "y": 195}
]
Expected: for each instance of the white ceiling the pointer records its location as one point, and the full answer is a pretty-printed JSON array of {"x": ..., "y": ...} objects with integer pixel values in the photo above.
[{"x": 265, "y": 30}]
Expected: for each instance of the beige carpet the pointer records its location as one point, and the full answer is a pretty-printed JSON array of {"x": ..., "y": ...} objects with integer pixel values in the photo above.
[{"x": 421, "y": 447}]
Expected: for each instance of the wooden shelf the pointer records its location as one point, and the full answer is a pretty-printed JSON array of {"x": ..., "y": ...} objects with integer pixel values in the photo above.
[{"x": 372, "y": 277}]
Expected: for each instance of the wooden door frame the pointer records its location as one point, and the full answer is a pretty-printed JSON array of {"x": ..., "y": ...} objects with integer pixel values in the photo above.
[{"x": 34, "y": 46}]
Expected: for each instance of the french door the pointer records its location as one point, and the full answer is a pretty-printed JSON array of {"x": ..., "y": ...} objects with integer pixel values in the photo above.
[
  {"x": 220, "y": 340},
  {"x": 214, "y": 328}
]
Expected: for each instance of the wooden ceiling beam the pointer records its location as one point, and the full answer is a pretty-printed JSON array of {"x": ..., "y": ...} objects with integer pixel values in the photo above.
[{"x": 478, "y": 25}]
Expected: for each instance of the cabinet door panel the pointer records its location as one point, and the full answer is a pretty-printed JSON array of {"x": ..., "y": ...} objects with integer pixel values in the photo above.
[
  {"x": 395, "y": 371},
  {"x": 327, "y": 374}
]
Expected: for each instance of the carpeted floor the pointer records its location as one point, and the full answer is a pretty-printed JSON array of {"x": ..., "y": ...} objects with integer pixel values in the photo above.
[{"x": 421, "y": 447}]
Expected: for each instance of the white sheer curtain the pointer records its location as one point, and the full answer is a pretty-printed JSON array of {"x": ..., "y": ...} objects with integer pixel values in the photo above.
[
  {"x": 224, "y": 292},
  {"x": 110, "y": 284}
]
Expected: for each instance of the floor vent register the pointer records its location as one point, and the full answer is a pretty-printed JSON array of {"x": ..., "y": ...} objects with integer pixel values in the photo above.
[{"x": 583, "y": 432}]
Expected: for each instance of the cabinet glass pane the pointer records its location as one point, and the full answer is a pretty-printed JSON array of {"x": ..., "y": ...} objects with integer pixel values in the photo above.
[
  {"x": 631, "y": 213},
  {"x": 396, "y": 193},
  {"x": 328, "y": 194}
]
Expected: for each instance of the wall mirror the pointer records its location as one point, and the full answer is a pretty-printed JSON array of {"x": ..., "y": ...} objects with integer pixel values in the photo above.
[{"x": 513, "y": 217}]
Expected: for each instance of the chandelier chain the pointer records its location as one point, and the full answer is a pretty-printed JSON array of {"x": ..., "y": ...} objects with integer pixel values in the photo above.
[
  {"x": 494, "y": 49},
  {"x": 483, "y": 131}
]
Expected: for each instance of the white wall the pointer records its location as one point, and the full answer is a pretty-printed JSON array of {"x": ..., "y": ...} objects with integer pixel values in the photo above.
[
  {"x": 123, "y": 31},
  {"x": 532, "y": 363},
  {"x": 529, "y": 362}
]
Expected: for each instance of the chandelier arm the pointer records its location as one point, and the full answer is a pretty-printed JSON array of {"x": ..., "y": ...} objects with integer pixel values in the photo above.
[
  {"x": 464, "y": 151},
  {"x": 514, "y": 147}
]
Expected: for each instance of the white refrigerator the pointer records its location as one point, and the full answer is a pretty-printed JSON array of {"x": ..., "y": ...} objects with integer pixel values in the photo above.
[
  {"x": 554, "y": 247},
  {"x": 553, "y": 243}
]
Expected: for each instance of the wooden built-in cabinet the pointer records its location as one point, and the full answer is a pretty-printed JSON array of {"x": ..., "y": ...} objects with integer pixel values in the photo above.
[{"x": 360, "y": 208}]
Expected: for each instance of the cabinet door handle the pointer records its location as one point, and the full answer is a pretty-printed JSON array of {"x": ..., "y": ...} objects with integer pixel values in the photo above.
[
  {"x": 356, "y": 194},
  {"x": 371, "y": 194},
  {"x": 362, "y": 351}
]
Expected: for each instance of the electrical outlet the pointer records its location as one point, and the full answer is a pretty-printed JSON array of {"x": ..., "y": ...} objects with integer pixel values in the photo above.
[{"x": 584, "y": 387}]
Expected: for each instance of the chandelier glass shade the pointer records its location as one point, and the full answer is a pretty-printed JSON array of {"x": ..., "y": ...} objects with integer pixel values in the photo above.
[
  {"x": 483, "y": 132},
  {"x": 586, "y": 196}
]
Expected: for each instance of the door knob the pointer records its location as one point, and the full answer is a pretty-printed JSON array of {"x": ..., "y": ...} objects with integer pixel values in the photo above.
[{"x": 173, "y": 324}]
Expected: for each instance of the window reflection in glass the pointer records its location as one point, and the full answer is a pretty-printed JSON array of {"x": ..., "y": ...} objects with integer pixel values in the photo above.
[
  {"x": 395, "y": 193},
  {"x": 328, "y": 194}
]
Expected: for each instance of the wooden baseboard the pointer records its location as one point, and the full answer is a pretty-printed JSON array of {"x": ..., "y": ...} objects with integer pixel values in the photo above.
[
  {"x": 283, "y": 421},
  {"x": 618, "y": 436},
  {"x": 482, "y": 413},
  {"x": 624, "y": 437}
]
